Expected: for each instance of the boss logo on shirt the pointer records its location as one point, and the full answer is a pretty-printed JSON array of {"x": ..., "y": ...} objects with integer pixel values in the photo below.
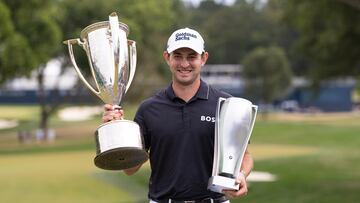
[{"x": 207, "y": 119}]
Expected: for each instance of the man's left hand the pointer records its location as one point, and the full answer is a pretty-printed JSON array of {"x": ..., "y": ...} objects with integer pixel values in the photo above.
[{"x": 241, "y": 180}]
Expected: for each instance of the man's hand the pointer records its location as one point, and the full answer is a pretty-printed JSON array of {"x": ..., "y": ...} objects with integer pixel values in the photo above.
[
  {"x": 241, "y": 180},
  {"x": 112, "y": 112}
]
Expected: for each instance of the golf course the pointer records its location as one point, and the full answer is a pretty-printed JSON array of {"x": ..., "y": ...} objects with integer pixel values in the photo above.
[{"x": 314, "y": 157}]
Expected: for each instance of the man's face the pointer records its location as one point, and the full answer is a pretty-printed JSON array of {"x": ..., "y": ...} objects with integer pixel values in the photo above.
[{"x": 185, "y": 65}]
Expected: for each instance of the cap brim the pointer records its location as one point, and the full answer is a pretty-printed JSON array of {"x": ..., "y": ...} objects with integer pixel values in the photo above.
[{"x": 185, "y": 45}]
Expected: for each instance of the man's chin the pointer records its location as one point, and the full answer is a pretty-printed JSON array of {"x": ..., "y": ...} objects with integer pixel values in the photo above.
[{"x": 185, "y": 82}]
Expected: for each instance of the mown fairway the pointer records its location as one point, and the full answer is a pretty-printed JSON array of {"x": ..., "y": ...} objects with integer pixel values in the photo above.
[
  {"x": 315, "y": 158},
  {"x": 56, "y": 177},
  {"x": 331, "y": 173}
]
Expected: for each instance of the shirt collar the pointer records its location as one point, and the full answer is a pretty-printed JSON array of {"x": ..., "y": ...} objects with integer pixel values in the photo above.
[{"x": 202, "y": 93}]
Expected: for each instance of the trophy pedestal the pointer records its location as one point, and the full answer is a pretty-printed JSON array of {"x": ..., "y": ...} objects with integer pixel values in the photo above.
[
  {"x": 120, "y": 158},
  {"x": 119, "y": 145},
  {"x": 218, "y": 183}
]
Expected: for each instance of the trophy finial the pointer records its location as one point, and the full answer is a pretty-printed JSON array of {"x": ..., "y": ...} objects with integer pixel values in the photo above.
[
  {"x": 114, "y": 22},
  {"x": 113, "y": 14}
]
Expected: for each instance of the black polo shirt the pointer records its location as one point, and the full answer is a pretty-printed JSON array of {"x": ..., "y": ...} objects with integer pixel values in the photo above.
[{"x": 180, "y": 138}]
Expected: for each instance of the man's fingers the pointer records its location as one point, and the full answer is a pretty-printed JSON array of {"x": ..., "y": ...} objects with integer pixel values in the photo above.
[
  {"x": 107, "y": 118},
  {"x": 108, "y": 107},
  {"x": 117, "y": 116},
  {"x": 111, "y": 113},
  {"x": 242, "y": 192},
  {"x": 238, "y": 193},
  {"x": 119, "y": 111}
]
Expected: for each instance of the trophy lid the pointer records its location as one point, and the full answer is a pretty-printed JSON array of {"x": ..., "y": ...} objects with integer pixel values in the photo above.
[{"x": 99, "y": 25}]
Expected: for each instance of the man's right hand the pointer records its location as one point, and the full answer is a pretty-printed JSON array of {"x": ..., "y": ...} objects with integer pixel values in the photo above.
[{"x": 112, "y": 113}]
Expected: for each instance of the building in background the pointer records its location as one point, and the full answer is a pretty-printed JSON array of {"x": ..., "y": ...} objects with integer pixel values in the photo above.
[
  {"x": 226, "y": 77},
  {"x": 60, "y": 87},
  {"x": 330, "y": 96}
]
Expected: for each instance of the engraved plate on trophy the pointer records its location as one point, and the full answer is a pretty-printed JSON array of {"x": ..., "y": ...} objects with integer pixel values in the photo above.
[
  {"x": 112, "y": 61},
  {"x": 235, "y": 118}
]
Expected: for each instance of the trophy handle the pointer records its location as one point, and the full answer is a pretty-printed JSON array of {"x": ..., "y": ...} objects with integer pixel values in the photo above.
[
  {"x": 254, "y": 109},
  {"x": 70, "y": 42},
  {"x": 216, "y": 136},
  {"x": 132, "y": 56},
  {"x": 221, "y": 100}
]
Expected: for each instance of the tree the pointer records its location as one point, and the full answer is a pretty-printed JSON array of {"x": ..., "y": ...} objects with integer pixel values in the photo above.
[
  {"x": 231, "y": 32},
  {"x": 149, "y": 23},
  {"x": 22, "y": 48},
  {"x": 328, "y": 35},
  {"x": 30, "y": 38},
  {"x": 267, "y": 74},
  {"x": 32, "y": 31}
]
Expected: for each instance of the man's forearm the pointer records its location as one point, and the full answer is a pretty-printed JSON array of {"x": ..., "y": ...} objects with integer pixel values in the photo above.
[{"x": 247, "y": 164}]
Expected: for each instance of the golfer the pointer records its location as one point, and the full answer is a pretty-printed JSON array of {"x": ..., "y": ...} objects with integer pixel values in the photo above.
[{"x": 179, "y": 140}]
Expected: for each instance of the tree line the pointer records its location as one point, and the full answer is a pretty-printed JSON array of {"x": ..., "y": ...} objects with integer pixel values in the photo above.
[
  {"x": 274, "y": 39},
  {"x": 320, "y": 38}
]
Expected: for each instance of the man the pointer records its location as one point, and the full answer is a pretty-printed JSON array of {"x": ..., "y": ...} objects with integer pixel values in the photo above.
[{"x": 180, "y": 143}]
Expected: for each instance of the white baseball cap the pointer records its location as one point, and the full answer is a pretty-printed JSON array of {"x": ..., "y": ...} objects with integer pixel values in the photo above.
[{"x": 185, "y": 37}]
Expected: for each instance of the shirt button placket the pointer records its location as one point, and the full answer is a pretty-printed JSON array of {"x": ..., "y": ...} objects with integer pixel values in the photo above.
[{"x": 186, "y": 119}]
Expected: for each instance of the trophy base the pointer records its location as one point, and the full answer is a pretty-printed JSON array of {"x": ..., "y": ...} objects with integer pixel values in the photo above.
[
  {"x": 119, "y": 145},
  {"x": 120, "y": 158},
  {"x": 218, "y": 183}
]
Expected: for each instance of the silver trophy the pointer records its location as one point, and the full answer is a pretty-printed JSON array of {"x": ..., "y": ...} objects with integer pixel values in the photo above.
[
  {"x": 112, "y": 60},
  {"x": 235, "y": 118}
]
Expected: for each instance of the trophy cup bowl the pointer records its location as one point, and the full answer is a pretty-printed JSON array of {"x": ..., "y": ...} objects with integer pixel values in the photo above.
[
  {"x": 112, "y": 61},
  {"x": 235, "y": 118}
]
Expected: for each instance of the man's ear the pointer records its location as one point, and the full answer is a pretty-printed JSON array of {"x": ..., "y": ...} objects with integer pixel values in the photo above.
[
  {"x": 166, "y": 57},
  {"x": 204, "y": 58}
]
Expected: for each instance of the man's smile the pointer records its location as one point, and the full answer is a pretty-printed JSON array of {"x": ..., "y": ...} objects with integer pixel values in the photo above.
[{"x": 184, "y": 71}]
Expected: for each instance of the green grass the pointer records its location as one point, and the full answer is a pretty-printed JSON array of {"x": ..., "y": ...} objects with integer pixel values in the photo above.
[
  {"x": 60, "y": 171},
  {"x": 61, "y": 177},
  {"x": 19, "y": 112},
  {"x": 315, "y": 161},
  {"x": 330, "y": 174}
]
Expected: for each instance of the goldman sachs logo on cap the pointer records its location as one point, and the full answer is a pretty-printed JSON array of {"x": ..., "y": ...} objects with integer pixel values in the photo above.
[{"x": 184, "y": 36}]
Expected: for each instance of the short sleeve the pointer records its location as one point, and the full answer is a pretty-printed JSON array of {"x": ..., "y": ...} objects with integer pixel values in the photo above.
[{"x": 140, "y": 120}]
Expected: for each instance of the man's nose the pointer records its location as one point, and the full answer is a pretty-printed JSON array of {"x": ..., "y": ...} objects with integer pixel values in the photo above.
[{"x": 184, "y": 62}]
